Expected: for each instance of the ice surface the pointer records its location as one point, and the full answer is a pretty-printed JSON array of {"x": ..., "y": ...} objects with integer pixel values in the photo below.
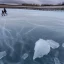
[
  {"x": 1, "y": 62},
  {"x": 56, "y": 60},
  {"x": 21, "y": 18},
  {"x": 42, "y": 47},
  {"x": 21, "y": 22},
  {"x": 2, "y": 54}
]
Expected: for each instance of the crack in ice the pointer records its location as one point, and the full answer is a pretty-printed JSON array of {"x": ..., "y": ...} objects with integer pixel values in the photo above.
[
  {"x": 30, "y": 30},
  {"x": 5, "y": 37},
  {"x": 18, "y": 33}
]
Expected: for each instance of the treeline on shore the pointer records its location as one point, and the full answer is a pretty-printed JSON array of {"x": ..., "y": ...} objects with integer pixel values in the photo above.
[
  {"x": 25, "y": 4},
  {"x": 34, "y": 6}
]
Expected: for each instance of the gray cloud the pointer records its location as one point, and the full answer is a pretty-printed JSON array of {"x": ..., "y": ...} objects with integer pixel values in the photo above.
[{"x": 33, "y": 1}]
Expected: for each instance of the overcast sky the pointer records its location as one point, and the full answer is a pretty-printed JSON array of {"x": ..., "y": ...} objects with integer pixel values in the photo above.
[{"x": 33, "y": 1}]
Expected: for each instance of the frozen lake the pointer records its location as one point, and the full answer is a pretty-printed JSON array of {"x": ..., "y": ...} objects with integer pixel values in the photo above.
[{"x": 24, "y": 33}]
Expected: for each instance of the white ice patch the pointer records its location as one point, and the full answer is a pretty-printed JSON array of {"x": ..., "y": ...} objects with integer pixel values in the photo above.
[
  {"x": 42, "y": 47},
  {"x": 63, "y": 45},
  {"x": 2, "y": 54},
  {"x": 53, "y": 44},
  {"x": 25, "y": 56}
]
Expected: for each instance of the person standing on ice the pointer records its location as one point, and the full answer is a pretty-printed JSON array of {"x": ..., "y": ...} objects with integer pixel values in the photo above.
[
  {"x": 2, "y": 13},
  {"x": 5, "y": 12}
]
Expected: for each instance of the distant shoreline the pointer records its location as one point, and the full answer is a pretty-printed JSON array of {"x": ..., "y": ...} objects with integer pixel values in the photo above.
[{"x": 33, "y": 7}]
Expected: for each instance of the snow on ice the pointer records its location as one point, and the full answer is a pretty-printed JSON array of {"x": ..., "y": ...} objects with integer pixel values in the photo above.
[{"x": 42, "y": 47}]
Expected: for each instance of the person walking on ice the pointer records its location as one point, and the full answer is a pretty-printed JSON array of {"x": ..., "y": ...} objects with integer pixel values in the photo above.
[{"x": 4, "y": 12}]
